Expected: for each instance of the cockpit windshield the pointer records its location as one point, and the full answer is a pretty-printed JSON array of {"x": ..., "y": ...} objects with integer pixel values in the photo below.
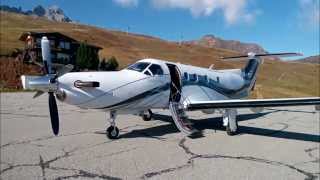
[{"x": 140, "y": 66}]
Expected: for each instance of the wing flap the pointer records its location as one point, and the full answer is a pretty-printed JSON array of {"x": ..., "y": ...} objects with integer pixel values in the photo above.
[{"x": 252, "y": 103}]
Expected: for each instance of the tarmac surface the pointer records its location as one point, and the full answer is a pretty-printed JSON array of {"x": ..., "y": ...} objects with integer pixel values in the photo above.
[{"x": 279, "y": 143}]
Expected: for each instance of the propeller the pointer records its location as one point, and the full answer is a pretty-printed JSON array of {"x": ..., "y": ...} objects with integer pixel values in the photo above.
[
  {"x": 53, "y": 108},
  {"x": 54, "y": 113},
  {"x": 48, "y": 82}
]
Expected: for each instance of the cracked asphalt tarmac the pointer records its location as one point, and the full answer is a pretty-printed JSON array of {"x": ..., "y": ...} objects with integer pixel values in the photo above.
[{"x": 279, "y": 143}]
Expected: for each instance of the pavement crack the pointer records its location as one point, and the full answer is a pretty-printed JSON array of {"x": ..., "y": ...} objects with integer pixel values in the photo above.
[
  {"x": 168, "y": 170},
  {"x": 15, "y": 166},
  {"x": 39, "y": 139},
  {"x": 194, "y": 156},
  {"x": 309, "y": 152},
  {"x": 43, "y": 167},
  {"x": 260, "y": 160},
  {"x": 42, "y": 164},
  {"x": 87, "y": 174},
  {"x": 78, "y": 173},
  {"x": 117, "y": 153},
  {"x": 185, "y": 148},
  {"x": 158, "y": 173}
]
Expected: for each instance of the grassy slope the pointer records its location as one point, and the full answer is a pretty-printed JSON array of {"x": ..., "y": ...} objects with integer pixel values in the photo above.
[{"x": 276, "y": 79}]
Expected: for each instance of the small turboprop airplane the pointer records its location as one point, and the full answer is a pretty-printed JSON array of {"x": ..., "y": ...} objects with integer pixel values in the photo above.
[{"x": 157, "y": 84}]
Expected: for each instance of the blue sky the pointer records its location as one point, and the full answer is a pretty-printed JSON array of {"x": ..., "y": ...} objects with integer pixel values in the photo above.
[{"x": 278, "y": 26}]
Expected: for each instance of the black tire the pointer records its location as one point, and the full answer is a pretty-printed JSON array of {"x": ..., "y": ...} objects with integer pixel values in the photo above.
[
  {"x": 112, "y": 132},
  {"x": 147, "y": 117}
]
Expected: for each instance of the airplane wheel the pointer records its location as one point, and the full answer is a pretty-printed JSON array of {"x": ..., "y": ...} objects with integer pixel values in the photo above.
[
  {"x": 147, "y": 117},
  {"x": 232, "y": 133},
  {"x": 113, "y": 132}
]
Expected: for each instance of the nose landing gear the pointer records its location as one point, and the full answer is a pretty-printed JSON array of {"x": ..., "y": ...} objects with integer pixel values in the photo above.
[{"x": 112, "y": 131}]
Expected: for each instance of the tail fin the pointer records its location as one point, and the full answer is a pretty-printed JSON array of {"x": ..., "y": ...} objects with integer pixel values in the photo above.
[
  {"x": 254, "y": 61},
  {"x": 250, "y": 70}
]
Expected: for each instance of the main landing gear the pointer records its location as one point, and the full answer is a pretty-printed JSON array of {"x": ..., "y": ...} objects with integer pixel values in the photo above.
[
  {"x": 147, "y": 116},
  {"x": 230, "y": 121},
  {"x": 112, "y": 131}
]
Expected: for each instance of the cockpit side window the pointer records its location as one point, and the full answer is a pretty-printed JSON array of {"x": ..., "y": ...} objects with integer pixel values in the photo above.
[
  {"x": 140, "y": 66},
  {"x": 156, "y": 69},
  {"x": 147, "y": 73}
]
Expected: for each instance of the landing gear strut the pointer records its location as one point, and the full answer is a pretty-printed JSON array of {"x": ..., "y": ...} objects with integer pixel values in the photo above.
[
  {"x": 230, "y": 121},
  {"x": 147, "y": 116},
  {"x": 112, "y": 131}
]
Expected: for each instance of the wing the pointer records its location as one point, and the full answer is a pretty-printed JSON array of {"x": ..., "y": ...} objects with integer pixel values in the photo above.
[{"x": 252, "y": 103}]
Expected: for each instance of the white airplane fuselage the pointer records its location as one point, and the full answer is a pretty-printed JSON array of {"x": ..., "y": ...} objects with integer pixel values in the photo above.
[{"x": 130, "y": 91}]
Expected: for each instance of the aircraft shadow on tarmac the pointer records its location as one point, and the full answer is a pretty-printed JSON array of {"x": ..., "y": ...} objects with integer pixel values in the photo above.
[{"x": 216, "y": 124}]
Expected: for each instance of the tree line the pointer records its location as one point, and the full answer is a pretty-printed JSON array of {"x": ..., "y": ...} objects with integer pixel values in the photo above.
[{"x": 88, "y": 59}]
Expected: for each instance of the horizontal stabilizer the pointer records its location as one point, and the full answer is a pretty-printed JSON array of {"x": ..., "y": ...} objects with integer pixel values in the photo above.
[
  {"x": 253, "y": 55},
  {"x": 253, "y": 103}
]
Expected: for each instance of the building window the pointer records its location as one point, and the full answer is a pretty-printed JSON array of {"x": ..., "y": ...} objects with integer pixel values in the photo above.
[
  {"x": 61, "y": 44},
  {"x": 64, "y": 45},
  {"x": 67, "y": 45}
]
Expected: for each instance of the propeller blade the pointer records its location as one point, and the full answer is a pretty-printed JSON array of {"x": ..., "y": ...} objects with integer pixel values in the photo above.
[
  {"x": 37, "y": 94},
  {"x": 46, "y": 55},
  {"x": 54, "y": 113}
]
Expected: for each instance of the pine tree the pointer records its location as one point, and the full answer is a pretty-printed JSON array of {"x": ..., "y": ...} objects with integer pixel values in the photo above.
[
  {"x": 81, "y": 59},
  {"x": 103, "y": 65},
  {"x": 87, "y": 58},
  {"x": 94, "y": 60},
  {"x": 112, "y": 64}
]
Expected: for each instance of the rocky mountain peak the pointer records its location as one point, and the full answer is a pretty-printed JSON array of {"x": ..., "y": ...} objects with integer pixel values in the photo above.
[
  {"x": 53, "y": 13},
  {"x": 56, "y": 14},
  {"x": 212, "y": 41}
]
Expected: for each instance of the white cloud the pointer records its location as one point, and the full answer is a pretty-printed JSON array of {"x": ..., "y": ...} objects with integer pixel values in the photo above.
[
  {"x": 127, "y": 3},
  {"x": 310, "y": 13},
  {"x": 233, "y": 10}
]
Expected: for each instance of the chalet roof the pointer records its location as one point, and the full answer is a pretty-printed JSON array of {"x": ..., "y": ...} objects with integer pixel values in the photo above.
[{"x": 24, "y": 36}]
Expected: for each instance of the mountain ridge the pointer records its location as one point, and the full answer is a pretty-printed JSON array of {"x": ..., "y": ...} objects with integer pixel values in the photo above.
[
  {"x": 310, "y": 59},
  {"x": 53, "y": 12},
  {"x": 212, "y": 41}
]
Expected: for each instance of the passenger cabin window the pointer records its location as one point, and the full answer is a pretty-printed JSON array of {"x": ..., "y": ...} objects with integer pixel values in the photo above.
[
  {"x": 186, "y": 76},
  {"x": 156, "y": 69},
  {"x": 192, "y": 77},
  {"x": 140, "y": 66}
]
